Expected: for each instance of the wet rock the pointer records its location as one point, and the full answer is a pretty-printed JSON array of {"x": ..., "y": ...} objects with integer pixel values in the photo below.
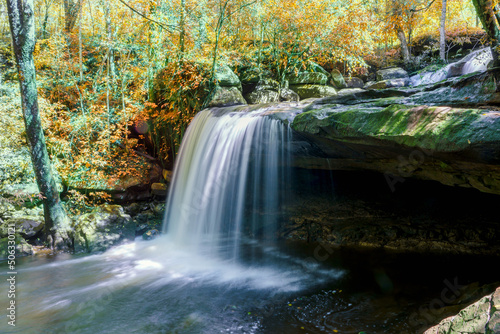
[
  {"x": 104, "y": 227},
  {"x": 151, "y": 234},
  {"x": 286, "y": 94},
  {"x": 263, "y": 96},
  {"x": 482, "y": 317},
  {"x": 387, "y": 84}
]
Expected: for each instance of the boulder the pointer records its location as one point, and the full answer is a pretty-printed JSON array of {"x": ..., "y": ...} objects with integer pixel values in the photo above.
[
  {"x": 310, "y": 91},
  {"x": 28, "y": 222},
  {"x": 225, "y": 77},
  {"x": 22, "y": 247},
  {"x": 482, "y": 317},
  {"x": 392, "y": 73},
  {"x": 289, "y": 95},
  {"x": 268, "y": 84},
  {"x": 355, "y": 82},
  {"x": 226, "y": 96},
  {"x": 262, "y": 96},
  {"x": 304, "y": 78},
  {"x": 338, "y": 79},
  {"x": 266, "y": 91},
  {"x": 253, "y": 75},
  {"x": 159, "y": 189},
  {"x": 104, "y": 227}
]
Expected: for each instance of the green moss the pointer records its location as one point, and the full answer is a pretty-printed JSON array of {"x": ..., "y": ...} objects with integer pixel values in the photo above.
[{"x": 433, "y": 128}]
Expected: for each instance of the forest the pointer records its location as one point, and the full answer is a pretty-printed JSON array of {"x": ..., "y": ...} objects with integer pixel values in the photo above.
[{"x": 97, "y": 96}]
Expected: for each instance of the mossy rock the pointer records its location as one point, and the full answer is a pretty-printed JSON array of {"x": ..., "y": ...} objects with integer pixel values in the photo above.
[
  {"x": 104, "y": 227},
  {"x": 22, "y": 247},
  {"x": 443, "y": 129},
  {"x": 313, "y": 91}
]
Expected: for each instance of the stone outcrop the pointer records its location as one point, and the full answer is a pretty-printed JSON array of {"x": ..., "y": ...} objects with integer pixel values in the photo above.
[
  {"x": 457, "y": 147},
  {"x": 482, "y": 317}
]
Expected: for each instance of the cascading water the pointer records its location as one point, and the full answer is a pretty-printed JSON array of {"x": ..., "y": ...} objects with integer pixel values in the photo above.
[
  {"x": 476, "y": 61},
  {"x": 229, "y": 182}
]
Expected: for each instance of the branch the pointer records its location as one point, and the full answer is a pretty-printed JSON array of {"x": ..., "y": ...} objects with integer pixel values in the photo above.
[
  {"x": 166, "y": 27},
  {"x": 423, "y": 8}
]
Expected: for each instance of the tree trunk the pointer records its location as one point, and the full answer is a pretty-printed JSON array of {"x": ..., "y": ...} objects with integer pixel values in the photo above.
[
  {"x": 71, "y": 11},
  {"x": 484, "y": 10},
  {"x": 182, "y": 27},
  {"x": 22, "y": 25},
  {"x": 442, "y": 33},
  {"x": 404, "y": 45}
]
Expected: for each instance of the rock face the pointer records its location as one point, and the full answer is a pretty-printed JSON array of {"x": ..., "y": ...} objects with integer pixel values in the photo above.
[
  {"x": 404, "y": 141},
  {"x": 482, "y": 317}
]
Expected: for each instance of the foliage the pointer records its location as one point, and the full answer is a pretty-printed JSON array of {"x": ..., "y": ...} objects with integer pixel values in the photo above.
[{"x": 181, "y": 90}]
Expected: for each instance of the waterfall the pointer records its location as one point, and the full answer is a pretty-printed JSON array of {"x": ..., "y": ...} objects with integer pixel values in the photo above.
[
  {"x": 476, "y": 61},
  {"x": 229, "y": 182}
]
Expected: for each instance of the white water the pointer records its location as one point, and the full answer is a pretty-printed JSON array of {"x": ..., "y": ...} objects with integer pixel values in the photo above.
[
  {"x": 229, "y": 183},
  {"x": 476, "y": 61}
]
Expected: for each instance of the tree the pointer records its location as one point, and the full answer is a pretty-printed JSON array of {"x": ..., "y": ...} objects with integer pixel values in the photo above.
[
  {"x": 22, "y": 26},
  {"x": 485, "y": 12},
  {"x": 442, "y": 33},
  {"x": 71, "y": 12}
]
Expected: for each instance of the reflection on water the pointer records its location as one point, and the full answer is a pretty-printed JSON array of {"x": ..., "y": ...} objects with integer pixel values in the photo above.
[{"x": 150, "y": 287}]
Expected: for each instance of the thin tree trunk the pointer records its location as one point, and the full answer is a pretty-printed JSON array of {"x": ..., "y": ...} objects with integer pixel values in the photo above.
[
  {"x": 442, "y": 33},
  {"x": 80, "y": 56},
  {"x": 22, "y": 23},
  {"x": 404, "y": 45},
  {"x": 182, "y": 28},
  {"x": 71, "y": 10}
]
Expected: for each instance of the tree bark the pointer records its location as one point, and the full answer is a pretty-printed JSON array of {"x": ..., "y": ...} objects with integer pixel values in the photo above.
[
  {"x": 442, "y": 33},
  {"x": 22, "y": 25},
  {"x": 404, "y": 45},
  {"x": 484, "y": 10},
  {"x": 71, "y": 11}
]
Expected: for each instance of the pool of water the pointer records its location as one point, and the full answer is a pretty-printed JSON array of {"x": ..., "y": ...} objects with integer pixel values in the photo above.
[{"x": 152, "y": 287}]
